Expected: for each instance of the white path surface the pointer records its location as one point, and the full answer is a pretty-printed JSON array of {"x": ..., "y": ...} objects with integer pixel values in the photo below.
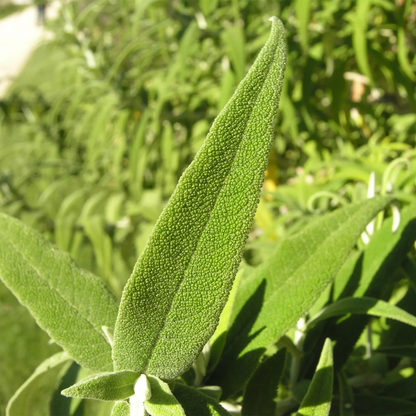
[{"x": 19, "y": 35}]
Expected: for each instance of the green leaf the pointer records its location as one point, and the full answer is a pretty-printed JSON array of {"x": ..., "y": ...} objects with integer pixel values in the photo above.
[
  {"x": 106, "y": 386},
  {"x": 33, "y": 398},
  {"x": 371, "y": 405},
  {"x": 302, "y": 10},
  {"x": 359, "y": 37},
  {"x": 235, "y": 45},
  {"x": 346, "y": 395},
  {"x": 214, "y": 392},
  {"x": 217, "y": 340},
  {"x": 69, "y": 303},
  {"x": 367, "y": 306},
  {"x": 403, "y": 52},
  {"x": 399, "y": 351},
  {"x": 195, "y": 402},
  {"x": 370, "y": 274},
  {"x": 162, "y": 402},
  {"x": 261, "y": 391},
  {"x": 179, "y": 286},
  {"x": 121, "y": 409},
  {"x": 317, "y": 401},
  {"x": 276, "y": 294}
]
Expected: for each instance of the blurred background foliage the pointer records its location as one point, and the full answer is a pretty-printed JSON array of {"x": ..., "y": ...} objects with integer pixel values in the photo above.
[{"x": 107, "y": 114}]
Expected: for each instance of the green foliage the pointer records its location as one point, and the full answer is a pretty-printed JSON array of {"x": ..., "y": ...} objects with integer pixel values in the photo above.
[
  {"x": 317, "y": 401},
  {"x": 162, "y": 401},
  {"x": 105, "y": 386},
  {"x": 33, "y": 398},
  {"x": 306, "y": 264},
  {"x": 261, "y": 391},
  {"x": 70, "y": 304},
  {"x": 95, "y": 133},
  {"x": 198, "y": 240}
]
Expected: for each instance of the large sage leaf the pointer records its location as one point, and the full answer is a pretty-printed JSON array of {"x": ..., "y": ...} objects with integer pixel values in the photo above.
[
  {"x": 276, "y": 294},
  {"x": 172, "y": 302},
  {"x": 33, "y": 398},
  {"x": 70, "y": 304},
  {"x": 105, "y": 386},
  {"x": 317, "y": 401}
]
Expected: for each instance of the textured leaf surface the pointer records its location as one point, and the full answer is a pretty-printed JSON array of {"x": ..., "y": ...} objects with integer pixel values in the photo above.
[
  {"x": 217, "y": 341},
  {"x": 275, "y": 295},
  {"x": 368, "y": 306},
  {"x": 106, "y": 386},
  {"x": 34, "y": 396},
  {"x": 195, "y": 402},
  {"x": 317, "y": 401},
  {"x": 70, "y": 304},
  {"x": 121, "y": 409},
  {"x": 162, "y": 402},
  {"x": 261, "y": 390},
  {"x": 172, "y": 302}
]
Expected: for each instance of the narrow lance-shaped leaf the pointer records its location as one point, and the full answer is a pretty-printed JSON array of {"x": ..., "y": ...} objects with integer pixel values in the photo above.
[
  {"x": 317, "y": 401},
  {"x": 69, "y": 303},
  {"x": 34, "y": 396},
  {"x": 261, "y": 391},
  {"x": 367, "y": 306},
  {"x": 280, "y": 291},
  {"x": 172, "y": 302},
  {"x": 105, "y": 386}
]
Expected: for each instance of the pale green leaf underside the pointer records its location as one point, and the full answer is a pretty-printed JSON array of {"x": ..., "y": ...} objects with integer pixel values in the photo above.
[
  {"x": 172, "y": 302},
  {"x": 285, "y": 287},
  {"x": 121, "y": 409},
  {"x": 162, "y": 402},
  {"x": 317, "y": 401},
  {"x": 70, "y": 304},
  {"x": 364, "y": 305},
  {"x": 106, "y": 386},
  {"x": 34, "y": 396}
]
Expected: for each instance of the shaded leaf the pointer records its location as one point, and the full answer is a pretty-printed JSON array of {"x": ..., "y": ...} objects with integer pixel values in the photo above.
[
  {"x": 276, "y": 294},
  {"x": 367, "y": 306},
  {"x": 195, "y": 402},
  {"x": 261, "y": 391},
  {"x": 33, "y": 398},
  {"x": 317, "y": 401}
]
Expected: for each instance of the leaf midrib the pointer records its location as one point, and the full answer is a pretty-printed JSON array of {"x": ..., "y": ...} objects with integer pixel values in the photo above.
[{"x": 150, "y": 356}]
